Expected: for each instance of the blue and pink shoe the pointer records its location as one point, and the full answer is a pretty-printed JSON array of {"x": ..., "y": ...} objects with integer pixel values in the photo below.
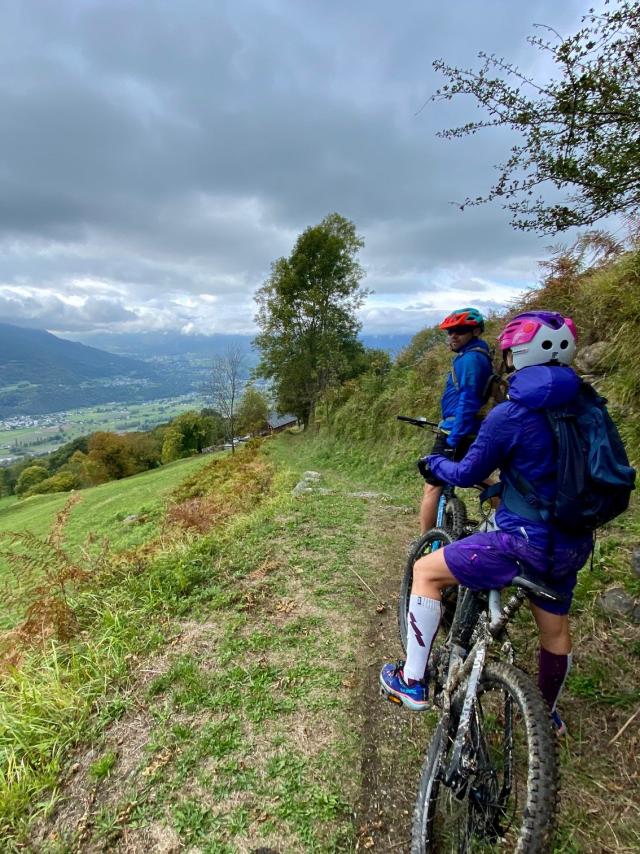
[
  {"x": 558, "y": 724},
  {"x": 413, "y": 695}
]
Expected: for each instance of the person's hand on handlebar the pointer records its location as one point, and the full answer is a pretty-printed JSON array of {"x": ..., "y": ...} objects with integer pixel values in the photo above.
[{"x": 423, "y": 462}]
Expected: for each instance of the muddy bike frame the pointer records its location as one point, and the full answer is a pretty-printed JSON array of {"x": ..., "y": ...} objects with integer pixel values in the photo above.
[{"x": 459, "y": 755}]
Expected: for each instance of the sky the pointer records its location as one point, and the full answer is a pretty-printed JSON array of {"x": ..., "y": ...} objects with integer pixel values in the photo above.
[{"x": 156, "y": 157}]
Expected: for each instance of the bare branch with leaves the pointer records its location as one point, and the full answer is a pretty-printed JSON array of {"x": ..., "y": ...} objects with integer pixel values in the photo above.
[{"x": 580, "y": 130}]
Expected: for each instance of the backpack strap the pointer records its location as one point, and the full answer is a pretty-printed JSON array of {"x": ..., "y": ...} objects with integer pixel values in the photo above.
[
  {"x": 520, "y": 497},
  {"x": 484, "y": 352}
]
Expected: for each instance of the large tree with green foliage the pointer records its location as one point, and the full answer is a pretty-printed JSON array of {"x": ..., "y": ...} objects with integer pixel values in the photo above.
[
  {"x": 307, "y": 315},
  {"x": 253, "y": 411},
  {"x": 580, "y": 130}
]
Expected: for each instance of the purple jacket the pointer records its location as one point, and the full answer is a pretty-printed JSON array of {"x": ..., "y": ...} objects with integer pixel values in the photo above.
[{"x": 516, "y": 437}]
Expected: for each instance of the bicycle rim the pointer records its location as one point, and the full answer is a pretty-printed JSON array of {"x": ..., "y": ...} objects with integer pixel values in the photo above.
[{"x": 508, "y": 802}]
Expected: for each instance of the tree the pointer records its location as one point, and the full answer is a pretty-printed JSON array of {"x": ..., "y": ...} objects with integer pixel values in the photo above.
[
  {"x": 253, "y": 411},
  {"x": 216, "y": 421},
  {"x": 29, "y": 477},
  {"x": 109, "y": 453},
  {"x": 6, "y": 487},
  {"x": 187, "y": 435},
  {"x": 228, "y": 373},
  {"x": 580, "y": 130},
  {"x": 307, "y": 315}
]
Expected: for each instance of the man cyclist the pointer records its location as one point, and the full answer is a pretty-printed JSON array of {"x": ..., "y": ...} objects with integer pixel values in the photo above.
[
  {"x": 515, "y": 437},
  {"x": 463, "y": 397}
]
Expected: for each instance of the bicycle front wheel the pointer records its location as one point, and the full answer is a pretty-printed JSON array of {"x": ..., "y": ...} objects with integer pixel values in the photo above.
[
  {"x": 507, "y": 782},
  {"x": 434, "y": 539}
]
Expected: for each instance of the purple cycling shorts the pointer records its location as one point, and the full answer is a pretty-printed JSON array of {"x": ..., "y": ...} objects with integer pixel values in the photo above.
[{"x": 484, "y": 561}]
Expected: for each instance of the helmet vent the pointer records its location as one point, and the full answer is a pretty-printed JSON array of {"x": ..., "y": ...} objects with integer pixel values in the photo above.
[{"x": 547, "y": 345}]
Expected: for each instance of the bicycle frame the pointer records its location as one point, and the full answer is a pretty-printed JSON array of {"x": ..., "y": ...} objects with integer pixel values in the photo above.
[
  {"x": 447, "y": 493},
  {"x": 462, "y": 665}
]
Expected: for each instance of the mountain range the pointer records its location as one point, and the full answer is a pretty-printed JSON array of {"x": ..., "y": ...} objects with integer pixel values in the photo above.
[{"x": 41, "y": 373}]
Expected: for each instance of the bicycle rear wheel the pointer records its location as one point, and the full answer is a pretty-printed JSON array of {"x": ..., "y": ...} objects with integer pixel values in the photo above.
[
  {"x": 434, "y": 539},
  {"x": 509, "y": 797},
  {"x": 455, "y": 517}
]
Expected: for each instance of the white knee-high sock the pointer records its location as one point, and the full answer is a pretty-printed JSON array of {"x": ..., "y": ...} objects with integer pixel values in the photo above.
[{"x": 422, "y": 626}]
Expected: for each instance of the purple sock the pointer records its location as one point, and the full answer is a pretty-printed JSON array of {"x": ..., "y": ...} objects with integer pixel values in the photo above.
[{"x": 552, "y": 673}]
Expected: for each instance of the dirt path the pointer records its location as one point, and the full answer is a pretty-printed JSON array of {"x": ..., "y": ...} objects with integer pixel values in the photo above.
[{"x": 393, "y": 739}]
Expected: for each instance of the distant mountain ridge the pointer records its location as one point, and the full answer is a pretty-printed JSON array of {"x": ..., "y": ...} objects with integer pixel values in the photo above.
[
  {"x": 40, "y": 373},
  {"x": 148, "y": 345},
  {"x": 26, "y": 353}
]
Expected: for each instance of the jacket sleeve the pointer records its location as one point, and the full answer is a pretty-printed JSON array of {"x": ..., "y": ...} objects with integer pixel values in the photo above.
[
  {"x": 471, "y": 373},
  {"x": 490, "y": 450}
]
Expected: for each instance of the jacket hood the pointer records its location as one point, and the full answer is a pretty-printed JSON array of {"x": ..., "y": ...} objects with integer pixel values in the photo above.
[{"x": 543, "y": 386}]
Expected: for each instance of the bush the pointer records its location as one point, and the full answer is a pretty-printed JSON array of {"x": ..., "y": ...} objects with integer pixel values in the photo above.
[
  {"x": 63, "y": 481},
  {"x": 29, "y": 478}
]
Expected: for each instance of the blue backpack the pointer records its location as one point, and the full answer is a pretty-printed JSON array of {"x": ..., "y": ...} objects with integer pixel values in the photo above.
[{"x": 594, "y": 478}]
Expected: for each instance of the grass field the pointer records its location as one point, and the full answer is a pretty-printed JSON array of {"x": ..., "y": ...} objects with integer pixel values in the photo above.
[
  {"x": 100, "y": 513},
  {"x": 118, "y": 417},
  {"x": 222, "y": 696}
]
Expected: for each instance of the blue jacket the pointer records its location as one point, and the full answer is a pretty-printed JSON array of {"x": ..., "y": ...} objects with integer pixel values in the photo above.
[
  {"x": 460, "y": 405},
  {"x": 516, "y": 438}
]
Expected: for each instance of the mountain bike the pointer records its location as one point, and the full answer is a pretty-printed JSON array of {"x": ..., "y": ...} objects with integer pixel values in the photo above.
[
  {"x": 451, "y": 524},
  {"x": 490, "y": 777}
]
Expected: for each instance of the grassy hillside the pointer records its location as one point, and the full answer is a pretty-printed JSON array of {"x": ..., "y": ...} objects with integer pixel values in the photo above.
[
  {"x": 219, "y": 689},
  {"x": 100, "y": 514}
]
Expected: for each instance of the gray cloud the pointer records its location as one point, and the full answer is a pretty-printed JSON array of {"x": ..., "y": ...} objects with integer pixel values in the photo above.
[{"x": 154, "y": 153}]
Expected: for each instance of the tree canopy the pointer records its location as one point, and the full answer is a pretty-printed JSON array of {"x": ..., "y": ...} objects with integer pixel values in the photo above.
[
  {"x": 580, "y": 130},
  {"x": 307, "y": 315},
  {"x": 253, "y": 411}
]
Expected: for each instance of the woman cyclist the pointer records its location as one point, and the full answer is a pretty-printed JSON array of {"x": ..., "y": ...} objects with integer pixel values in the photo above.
[{"x": 515, "y": 437}]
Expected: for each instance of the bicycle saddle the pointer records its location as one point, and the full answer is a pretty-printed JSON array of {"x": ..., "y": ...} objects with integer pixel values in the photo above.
[{"x": 536, "y": 588}]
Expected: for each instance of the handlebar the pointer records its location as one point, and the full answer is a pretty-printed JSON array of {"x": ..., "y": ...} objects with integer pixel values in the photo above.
[{"x": 418, "y": 422}]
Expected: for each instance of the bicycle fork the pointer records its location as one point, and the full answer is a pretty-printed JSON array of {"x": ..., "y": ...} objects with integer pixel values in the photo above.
[{"x": 462, "y": 761}]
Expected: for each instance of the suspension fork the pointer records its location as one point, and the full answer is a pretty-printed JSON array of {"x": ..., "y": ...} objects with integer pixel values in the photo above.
[{"x": 462, "y": 759}]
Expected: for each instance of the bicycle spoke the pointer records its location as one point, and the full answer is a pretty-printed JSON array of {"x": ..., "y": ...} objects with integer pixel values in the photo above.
[{"x": 504, "y": 790}]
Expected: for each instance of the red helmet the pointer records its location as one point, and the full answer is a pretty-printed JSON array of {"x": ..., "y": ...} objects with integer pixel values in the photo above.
[{"x": 463, "y": 317}]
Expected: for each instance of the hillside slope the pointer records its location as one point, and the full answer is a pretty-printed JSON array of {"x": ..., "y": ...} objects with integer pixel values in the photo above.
[{"x": 41, "y": 373}]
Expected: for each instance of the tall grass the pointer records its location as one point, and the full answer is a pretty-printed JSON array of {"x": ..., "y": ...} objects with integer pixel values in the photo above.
[
  {"x": 604, "y": 301},
  {"x": 47, "y": 698}
]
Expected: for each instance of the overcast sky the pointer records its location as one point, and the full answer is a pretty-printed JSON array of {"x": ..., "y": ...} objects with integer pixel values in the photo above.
[{"x": 157, "y": 156}]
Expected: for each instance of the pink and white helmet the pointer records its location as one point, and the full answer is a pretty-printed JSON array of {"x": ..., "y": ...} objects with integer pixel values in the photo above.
[{"x": 539, "y": 337}]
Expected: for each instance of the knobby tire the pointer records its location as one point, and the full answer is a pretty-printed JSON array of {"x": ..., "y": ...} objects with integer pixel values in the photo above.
[
  {"x": 455, "y": 517},
  {"x": 491, "y": 815}
]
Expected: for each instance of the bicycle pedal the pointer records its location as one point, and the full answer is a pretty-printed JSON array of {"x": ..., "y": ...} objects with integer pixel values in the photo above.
[{"x": 391, "y": 698}]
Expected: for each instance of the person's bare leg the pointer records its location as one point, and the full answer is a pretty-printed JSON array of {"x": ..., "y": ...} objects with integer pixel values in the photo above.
[
  {"x": 430, "y": 574},
  {"x": 429, "y": 507},
  {"x": 555, "y": 635}
]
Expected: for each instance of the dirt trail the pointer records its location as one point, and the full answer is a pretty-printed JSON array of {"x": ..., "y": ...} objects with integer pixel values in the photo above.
[{"x": 393, "y": 739}]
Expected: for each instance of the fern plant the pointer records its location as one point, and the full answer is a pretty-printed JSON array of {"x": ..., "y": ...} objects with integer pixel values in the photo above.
[{"x": 44, "y": 576}]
